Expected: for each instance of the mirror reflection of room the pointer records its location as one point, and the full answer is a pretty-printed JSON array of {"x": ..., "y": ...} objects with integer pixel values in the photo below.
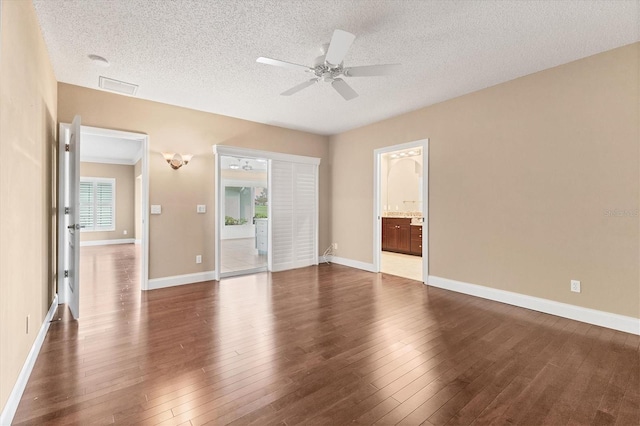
[
  {"x": 402, "y": 213},
  {"x": 243, "y": 244}
]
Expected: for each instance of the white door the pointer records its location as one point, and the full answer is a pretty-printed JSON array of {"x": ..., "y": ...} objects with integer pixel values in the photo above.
[
  {"x": 71, "y": 251},
  {"x": 293, "y": 215}
]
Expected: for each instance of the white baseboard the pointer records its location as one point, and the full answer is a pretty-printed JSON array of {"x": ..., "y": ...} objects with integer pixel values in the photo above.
[
  {"x": 137, "y": 241},
  {"x": 565, "y": 310},
  {"x": 350, "y": 263},
  {"x": 10, "y": 408},
  {"x": 181, "y": 280},
  {"x": 106, "y": 242}
]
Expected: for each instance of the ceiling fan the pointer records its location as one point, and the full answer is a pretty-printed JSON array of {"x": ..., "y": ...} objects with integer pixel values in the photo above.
[{"x": 329, "y": 67}]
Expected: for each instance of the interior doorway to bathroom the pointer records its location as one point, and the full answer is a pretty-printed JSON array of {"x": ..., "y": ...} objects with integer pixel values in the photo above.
[
  {"x": 401, "y": 210},
  {"x": 244, "y": 223}
]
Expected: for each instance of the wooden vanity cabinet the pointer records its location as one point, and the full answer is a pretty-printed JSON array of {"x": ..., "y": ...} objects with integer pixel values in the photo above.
[
  {"x": 396, "y": 234},
  {"x": 416, "y": 240}
]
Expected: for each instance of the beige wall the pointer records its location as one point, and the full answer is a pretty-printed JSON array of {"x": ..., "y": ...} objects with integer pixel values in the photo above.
[
  {"x": 27, "y": 187},
  {"x": 125, "y": 198},
  {"x": 179, "y": 233},
  {"x": 521, "y": 176}
]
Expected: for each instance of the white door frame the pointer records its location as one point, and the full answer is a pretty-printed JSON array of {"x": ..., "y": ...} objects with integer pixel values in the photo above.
[
  {"x": 144, "y": 195},
  {"x": 62, "y": 217},
  {"x": 140, "y": 205},
  {"x": 377, "y": 208}
]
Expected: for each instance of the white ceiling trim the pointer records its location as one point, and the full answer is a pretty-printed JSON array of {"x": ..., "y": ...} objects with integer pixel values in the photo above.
[
  {"x": 268, "y": 155},
  {"x": 104, "y": 160},
  {"x": 111, "y": 133},
  {"x": 110, "y": 146}
]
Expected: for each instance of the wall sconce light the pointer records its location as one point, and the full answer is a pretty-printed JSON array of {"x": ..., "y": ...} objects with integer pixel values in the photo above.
[{"x": 177, "y": 160}]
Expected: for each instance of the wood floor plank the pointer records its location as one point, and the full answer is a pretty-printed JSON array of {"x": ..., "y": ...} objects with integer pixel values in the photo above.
[
  {"x": 428, "y": 400},
  {"x": 325, "y": 345}
]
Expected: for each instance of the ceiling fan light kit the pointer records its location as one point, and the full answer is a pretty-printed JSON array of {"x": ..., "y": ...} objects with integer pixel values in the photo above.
[{"x": 329, "y": 67}]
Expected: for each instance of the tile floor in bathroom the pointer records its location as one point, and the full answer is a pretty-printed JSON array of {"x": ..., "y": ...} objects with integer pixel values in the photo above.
[{"x": 401, "y": 265}]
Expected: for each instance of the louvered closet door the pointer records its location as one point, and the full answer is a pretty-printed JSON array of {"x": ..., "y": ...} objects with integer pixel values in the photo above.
[
  {"x": 281, "y": 201},
  {"x": 305, "y": 215},
  {"x": 294, "y": 215}
]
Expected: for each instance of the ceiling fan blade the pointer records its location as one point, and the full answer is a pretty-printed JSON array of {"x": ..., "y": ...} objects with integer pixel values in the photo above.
[
  {"x": 299, "y": 87},
  {"x": 339, "y": 46},
  {"x": 344, "y": 89},
  {"x": 372, "y": 70},
  {"x": 283, "y": 64}
]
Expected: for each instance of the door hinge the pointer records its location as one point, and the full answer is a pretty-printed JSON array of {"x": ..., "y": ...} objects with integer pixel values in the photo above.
[
  {"x": 66, "y": 273},
  {"x": 67, "y": 210},
  {"x": 67, "y": 147}
]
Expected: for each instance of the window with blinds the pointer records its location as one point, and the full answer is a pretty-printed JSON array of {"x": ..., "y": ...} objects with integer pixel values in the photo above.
[{"x": 97, "y": 204}]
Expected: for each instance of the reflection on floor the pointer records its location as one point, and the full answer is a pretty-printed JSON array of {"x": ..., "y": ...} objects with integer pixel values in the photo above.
[
  {"x": 401, "y": 265},
  {"x": 240, "y": 254},
  {"x": 109, "y": 278}
]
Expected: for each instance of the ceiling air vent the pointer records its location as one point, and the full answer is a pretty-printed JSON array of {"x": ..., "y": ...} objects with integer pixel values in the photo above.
[{"x": 118, "y": 86}]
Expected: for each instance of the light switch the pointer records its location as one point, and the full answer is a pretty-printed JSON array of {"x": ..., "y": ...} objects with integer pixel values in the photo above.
[
  {"x": 201, "y": 208},
  {"x": 156, "y": 209}
]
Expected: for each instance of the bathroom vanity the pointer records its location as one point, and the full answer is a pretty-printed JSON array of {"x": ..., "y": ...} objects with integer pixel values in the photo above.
[{"x": 400, "y": 236}]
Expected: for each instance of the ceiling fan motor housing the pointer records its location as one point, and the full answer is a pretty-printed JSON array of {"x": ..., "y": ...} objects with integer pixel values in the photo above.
[{"x": 327, "y": 73}]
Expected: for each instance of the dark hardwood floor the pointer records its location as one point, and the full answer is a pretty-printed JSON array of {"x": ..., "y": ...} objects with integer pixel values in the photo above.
[{"x": 320, "y": 345}]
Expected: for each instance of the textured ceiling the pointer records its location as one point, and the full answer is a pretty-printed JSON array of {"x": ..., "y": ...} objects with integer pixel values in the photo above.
[{"x": 202, "y": 54}]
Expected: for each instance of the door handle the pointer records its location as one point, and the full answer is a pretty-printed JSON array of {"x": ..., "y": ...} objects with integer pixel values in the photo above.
[{"x": 76, "y": 226}]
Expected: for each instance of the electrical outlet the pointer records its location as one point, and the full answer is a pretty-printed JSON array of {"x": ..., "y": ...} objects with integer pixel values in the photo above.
[
  {"x": 201, "y": 208},
  {"x": 28, "y": 321},
  {"x": 335, "y": 246},
  {"x": 199, "y": 258},
  {"x": 124, "y": 232},
  {"x": 575, "y": 286}
]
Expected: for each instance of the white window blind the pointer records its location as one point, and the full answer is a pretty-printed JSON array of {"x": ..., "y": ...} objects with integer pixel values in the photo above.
[
  {"x": 294, "y": 215},
  {"x": 97, "y": 204}
]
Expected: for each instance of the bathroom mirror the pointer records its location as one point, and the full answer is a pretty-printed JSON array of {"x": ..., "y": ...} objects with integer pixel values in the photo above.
[{"x": 404, "y": 185}]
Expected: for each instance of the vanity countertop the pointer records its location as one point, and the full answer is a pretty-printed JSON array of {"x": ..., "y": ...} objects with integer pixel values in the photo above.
[{"x": 406, "y": 217}]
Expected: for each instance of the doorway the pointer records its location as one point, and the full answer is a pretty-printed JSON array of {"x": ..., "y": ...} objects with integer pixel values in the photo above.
[
  {"x": 401, "y": 210},
  {"x": 291, "y": 197},
  {"x": 244, "y": 204},
  {"x": 111, "y": 180}
]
